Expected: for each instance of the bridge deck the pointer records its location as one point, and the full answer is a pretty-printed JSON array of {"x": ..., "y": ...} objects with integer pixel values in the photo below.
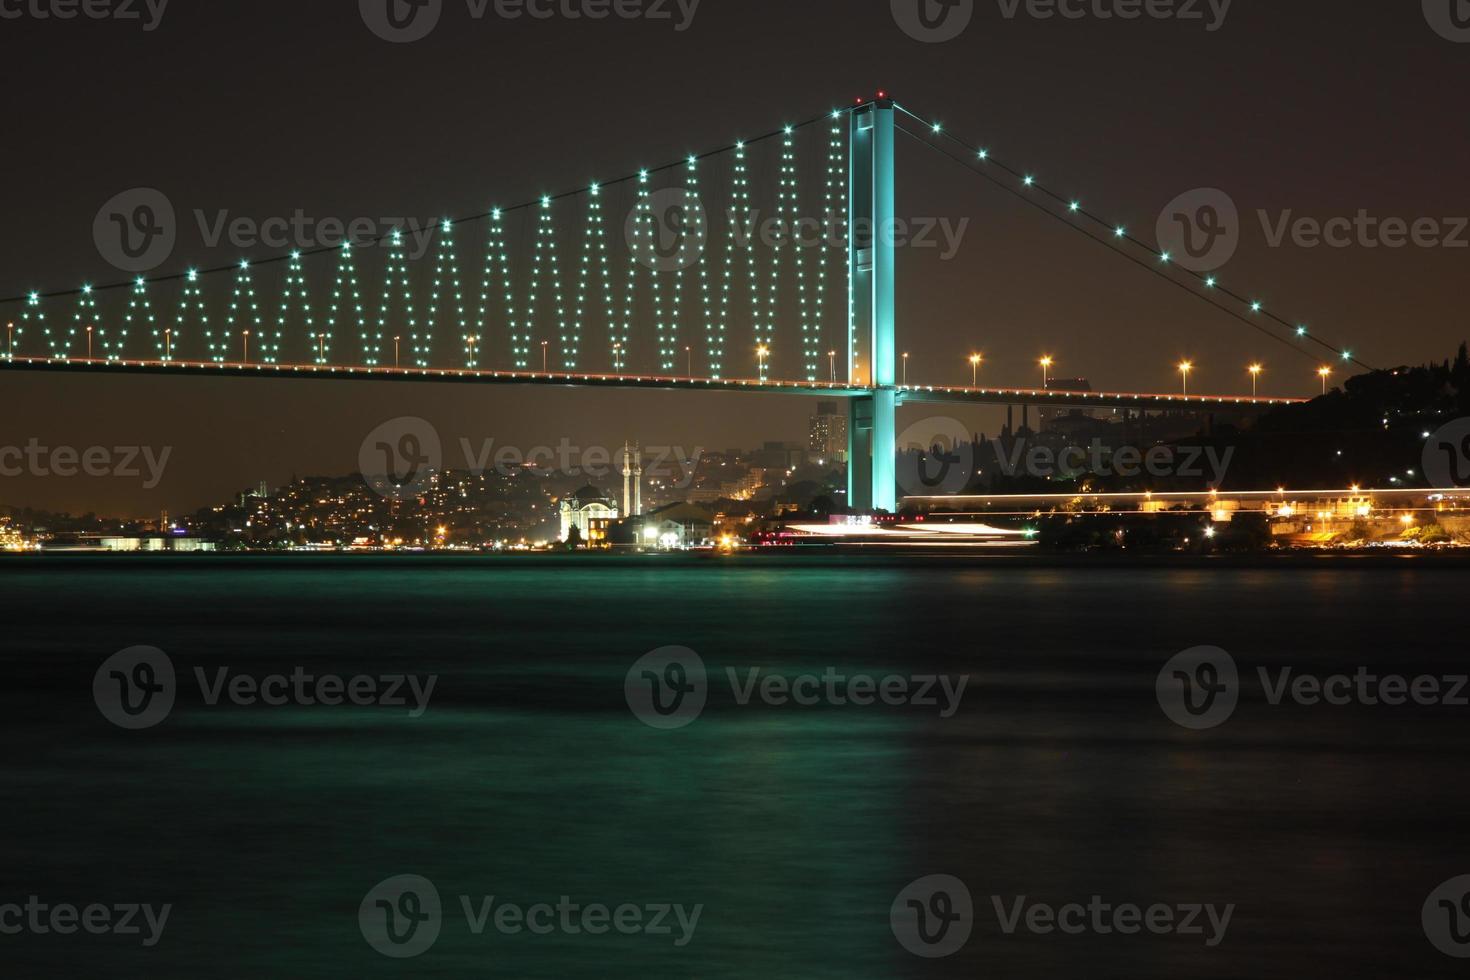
[{"x": 563, "y": 379}]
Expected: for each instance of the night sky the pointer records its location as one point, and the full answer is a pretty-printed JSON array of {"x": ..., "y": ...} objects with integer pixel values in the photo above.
[{"x": 1316, "y": 107}]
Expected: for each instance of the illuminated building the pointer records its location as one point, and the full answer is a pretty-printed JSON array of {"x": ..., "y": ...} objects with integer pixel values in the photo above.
[
  {"x": 589, "y": 510},
  {"x": 827, "y": 433},
  {"x": 676, "y": 527}
]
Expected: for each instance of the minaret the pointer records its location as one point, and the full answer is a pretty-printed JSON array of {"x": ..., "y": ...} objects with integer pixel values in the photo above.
[
  {"x": 627, "y": 483},
  {"x": 638, "y": 480}
]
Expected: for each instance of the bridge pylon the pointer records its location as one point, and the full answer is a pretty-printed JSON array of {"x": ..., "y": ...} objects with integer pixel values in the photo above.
[{"x": 872, "y": 480}]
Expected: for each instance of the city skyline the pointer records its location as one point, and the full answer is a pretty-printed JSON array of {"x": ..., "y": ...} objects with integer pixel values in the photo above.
[{"x": 1015, "y": 289}]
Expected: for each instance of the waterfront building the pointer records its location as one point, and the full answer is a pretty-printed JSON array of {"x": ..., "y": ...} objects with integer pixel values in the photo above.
[{"x": 590, "y": 511}]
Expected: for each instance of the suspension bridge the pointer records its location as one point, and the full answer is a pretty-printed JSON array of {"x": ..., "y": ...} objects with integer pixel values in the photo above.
[{"x": 562, "y": 291}]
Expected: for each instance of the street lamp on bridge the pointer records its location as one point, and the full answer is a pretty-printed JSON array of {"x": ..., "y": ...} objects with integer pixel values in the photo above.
[
  {"x": 761, "y": 353},
  {"x": 905, "y": 369},
  {"x": 1324, "y": 372},
  {"x": 1255, "y": 370},
  {"x": 1184, "y": 368},
  {"x": 975, "y": 361},
  {"x": 1046, "y": 363},
  {"x": 832, "y": 360}
]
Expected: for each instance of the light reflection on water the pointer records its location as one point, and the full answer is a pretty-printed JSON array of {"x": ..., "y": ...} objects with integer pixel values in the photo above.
[{"x": 529, "y": 779}]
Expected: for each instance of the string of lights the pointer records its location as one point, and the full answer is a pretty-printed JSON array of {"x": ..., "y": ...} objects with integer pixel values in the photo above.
[
  {"x": 140, "y": 315},
  {"x": 191, "y": 296},
  {"x": 347, "y": 290},
  {"x": 642, "y": 176},
  {"x": 295, "y": 279},
  {"x": 1025, "y": 186}
]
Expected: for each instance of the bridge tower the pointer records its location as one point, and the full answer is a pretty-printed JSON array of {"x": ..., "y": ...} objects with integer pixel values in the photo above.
[{"x": 872, "y": 480}]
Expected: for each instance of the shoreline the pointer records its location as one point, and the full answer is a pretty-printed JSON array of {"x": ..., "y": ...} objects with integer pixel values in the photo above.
[{"x": 835, "y": 556}]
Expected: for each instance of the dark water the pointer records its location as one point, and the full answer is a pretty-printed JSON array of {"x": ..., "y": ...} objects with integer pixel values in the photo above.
[{"x": 528, "y": 778}]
